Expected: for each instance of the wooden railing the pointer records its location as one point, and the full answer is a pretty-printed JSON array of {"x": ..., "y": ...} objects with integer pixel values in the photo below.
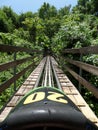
[
  {"x": 84, "y": 50},
  {"x": 14, "y": 64},
  {"x": 83, "y": 66}
]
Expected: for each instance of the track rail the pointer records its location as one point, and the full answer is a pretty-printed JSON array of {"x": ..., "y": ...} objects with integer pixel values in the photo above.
[{"x": 48, "y": 74}]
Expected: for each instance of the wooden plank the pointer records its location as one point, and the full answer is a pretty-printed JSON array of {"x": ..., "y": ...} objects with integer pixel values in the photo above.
[
  {"x": 26, "y": 90},
  {"x": 26, "y": 82},
  {"x": 72, "y": 98},
  {"x": 73, "y": 90},
  {"x": 66, "y": 84},
  {"x": 79, "y": 100},
  {"x": 66, "y": 90},
  {"x": 64, "y": 80},
  {"x": 35, "y": 76},
  {"x": 20, "y": 92},
  {"x": 14, "y": 101},
  {"x": 89, "y": 113},
  {"x": 34, "y": 80},
  {"x": 32, "y": 83},
  {"x": 5, "y": 112},
  {"x": 63, "y": 84}
]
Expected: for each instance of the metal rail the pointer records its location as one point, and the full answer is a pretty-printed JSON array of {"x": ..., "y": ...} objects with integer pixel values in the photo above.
[
  {"x": 57, "y": 80},
  {"x": 39, "y": 77},
  {"x": 48, "y": 74}
]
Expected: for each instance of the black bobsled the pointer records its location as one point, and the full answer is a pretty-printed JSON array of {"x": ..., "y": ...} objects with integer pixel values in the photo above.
[{"x": 46, "y": 108}]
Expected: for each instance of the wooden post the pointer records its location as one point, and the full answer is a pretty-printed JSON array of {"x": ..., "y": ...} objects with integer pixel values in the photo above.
[
  {"x": 14, "y": 71},
  {"x": 80, "y": 72}
]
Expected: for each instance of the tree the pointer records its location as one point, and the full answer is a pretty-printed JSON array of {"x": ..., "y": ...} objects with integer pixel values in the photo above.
[
  {"x": 94, "y": 4},
  {"x": 46, "y": 11},
  {"x": 74, "y": 33},
  {"x": 64, "y": 11},
  {"x": 87, "y": 6},
  {"x": 5, "y": 23},
  {"x": 11, "y": 15},
  {"x": 82, "y": 6},
  {"x": 23, "y": 16},
  {"x": 51, "y": 27}
]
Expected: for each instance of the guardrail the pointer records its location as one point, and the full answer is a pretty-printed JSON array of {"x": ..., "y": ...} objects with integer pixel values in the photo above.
[
  {"x": 84, "y": 50},
  {"x": 83, "y": 66},
  {"x": 13, "y": 64}
]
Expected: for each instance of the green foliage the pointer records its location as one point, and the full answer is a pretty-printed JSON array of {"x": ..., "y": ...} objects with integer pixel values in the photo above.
[
  {"x": 47, "y": 11},
  {"x": 74, "y": 32},
  {"x": 87, "y": 7},
  {"x": 91, "y": 59},
  {"x": 4, "y": 22},
  {"x": 64, "y": 11},
  {"x": 8, "y": 19},
  {"x": 51, "y": 27},
  {"x": 21, "y": 33},
  {"x": 10, "y": 14}
]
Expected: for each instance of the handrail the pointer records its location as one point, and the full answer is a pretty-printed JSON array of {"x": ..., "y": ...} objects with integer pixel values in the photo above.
[
  {"x": 87, "y": 67},
  {"x": 8, "y": 48},
  {"x": 83, "y": 66},
  {"x": 14, "y": 78},
  {"x": 84, "y": 50},
  {"x": 84, "y": 82},
  {"x": 13, "y": 64}
]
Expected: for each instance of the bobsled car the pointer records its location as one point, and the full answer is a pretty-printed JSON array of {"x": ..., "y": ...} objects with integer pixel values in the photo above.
[{"x": 46, "y": 108}]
